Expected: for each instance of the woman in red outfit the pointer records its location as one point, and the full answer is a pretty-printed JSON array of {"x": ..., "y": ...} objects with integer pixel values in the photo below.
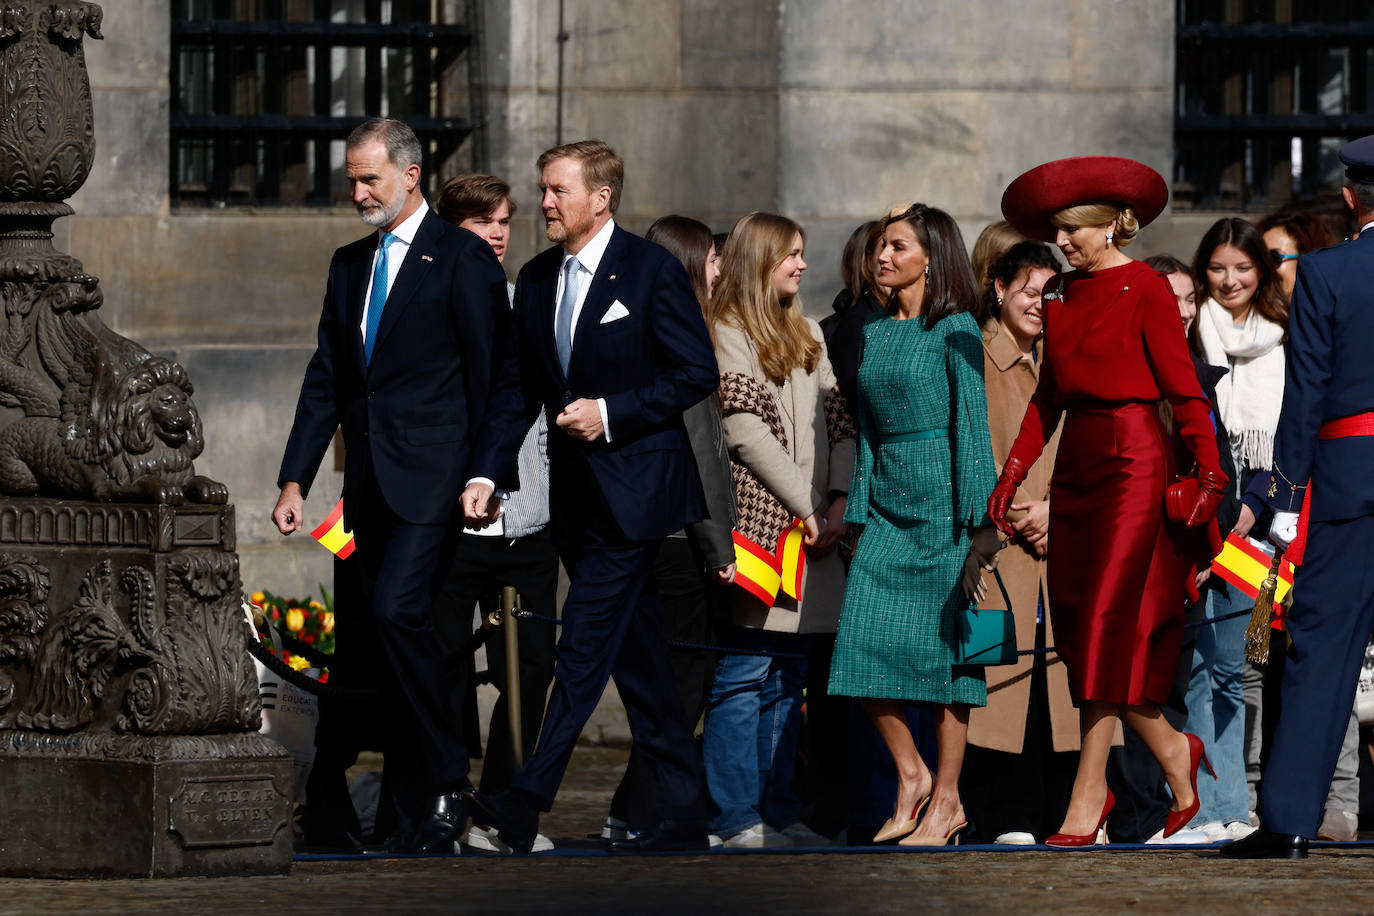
[{"x": 1114, "y": 347}]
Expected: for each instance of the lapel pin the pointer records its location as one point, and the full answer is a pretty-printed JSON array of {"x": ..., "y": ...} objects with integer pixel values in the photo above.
[
  {"x": 425, "y": 257},
  {"x": 611, "y": 277}
]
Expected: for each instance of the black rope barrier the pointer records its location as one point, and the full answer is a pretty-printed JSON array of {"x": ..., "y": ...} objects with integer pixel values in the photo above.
[{"x": 319, "y": 659}]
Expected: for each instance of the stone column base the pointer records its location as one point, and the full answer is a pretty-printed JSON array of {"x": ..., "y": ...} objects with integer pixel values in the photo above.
[{"x": 103, "y": 805}]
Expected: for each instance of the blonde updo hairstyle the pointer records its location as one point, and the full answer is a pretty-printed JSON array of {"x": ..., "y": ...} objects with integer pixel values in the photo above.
[{"x": 1100, "y": 214}]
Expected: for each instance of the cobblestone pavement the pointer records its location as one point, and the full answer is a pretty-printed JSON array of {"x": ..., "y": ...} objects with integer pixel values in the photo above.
[{"x": 1334, "y": 881}]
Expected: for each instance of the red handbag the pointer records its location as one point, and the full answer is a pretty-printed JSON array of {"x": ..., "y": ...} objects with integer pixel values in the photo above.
[{"x": 1179, "y": 497}]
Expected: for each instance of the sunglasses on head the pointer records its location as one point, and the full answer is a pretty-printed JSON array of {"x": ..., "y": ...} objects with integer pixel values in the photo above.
[{"x": 1278, "y": 257}]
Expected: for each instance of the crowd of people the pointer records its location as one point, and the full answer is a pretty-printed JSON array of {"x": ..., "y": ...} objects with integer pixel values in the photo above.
[{"x": 817, "y": 515}]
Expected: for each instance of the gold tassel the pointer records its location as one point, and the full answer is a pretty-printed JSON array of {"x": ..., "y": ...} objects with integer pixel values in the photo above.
[{"x": 1261, "y": 621}]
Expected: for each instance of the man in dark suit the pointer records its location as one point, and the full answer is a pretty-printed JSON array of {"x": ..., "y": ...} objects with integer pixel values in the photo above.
[
  {"x": 415, "y": 358},
  {"x": 613, "y": 349},
  {"x": 1323, "y": 451}
]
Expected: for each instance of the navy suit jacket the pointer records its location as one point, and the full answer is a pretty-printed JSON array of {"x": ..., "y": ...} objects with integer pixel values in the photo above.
[
  {"x": 650, "y": 366},
  {"x": 427, "y": 413},
  {"x": 1328, "y": 375}
]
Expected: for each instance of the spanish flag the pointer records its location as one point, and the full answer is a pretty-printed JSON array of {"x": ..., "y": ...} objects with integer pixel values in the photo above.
[
  {"x": 332, "y": 535},
  {"x": 763, "y": 574},
  {"x": 1244, "y": 565}
]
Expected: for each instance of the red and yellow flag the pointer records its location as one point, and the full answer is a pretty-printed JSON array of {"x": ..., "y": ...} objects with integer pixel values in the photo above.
[
  {"x": 763, "y": 574},
  {"x": 332, "y": 535},
  {"x": 1244, "y": 565}
]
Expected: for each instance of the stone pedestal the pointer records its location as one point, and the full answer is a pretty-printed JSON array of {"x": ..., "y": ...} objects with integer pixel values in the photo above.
[
  {"x": 144, "y": 807},
  {"x": 129, "y": 705}
]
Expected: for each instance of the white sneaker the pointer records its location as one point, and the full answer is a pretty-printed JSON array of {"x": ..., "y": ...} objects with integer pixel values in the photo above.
[
  {"x": 486, "y": 839},
  {"x": 759, "y": 836},
  {"x": 1215, "y": 830},
  {"x": 1015, "y": 838},
  {"x": 803, "y": 836},
  {"x": 616, "y": 829},
  {"x": 714, "y": 841},
  {"x": 1187, "y": 836},
  {"x": 1238, "y": 830},
  {"x": 1338, "y": 826}
]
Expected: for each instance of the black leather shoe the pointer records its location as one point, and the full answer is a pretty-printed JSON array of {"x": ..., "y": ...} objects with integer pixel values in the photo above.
[
  {"x": 1263, "y": 844},
  {"x": 511, "y": 812},
  {"x": 444, "y": 826},
  {"x": 668, "y": 836}
]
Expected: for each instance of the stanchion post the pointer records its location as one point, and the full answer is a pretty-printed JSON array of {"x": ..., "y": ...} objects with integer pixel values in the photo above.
[{"x": 510, "y": 603}]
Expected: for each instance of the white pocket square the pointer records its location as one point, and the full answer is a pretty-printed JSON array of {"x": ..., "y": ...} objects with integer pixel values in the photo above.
[{"x": 616, "y": 312}]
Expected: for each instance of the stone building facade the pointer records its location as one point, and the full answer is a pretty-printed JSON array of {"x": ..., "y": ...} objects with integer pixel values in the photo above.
[{"x": 829, "y": 111}]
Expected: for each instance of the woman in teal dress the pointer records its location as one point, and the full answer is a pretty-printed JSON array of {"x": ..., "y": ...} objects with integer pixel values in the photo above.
[{"x": 922, "y": 476}]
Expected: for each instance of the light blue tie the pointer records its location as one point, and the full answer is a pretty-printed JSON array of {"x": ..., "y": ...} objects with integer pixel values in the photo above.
[
  {"x": 376, "y": 300},
  {"x": 562, "y": 324}
]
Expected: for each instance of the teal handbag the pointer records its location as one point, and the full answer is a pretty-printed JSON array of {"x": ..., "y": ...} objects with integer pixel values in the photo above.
[{"x": 987, "y": 636}]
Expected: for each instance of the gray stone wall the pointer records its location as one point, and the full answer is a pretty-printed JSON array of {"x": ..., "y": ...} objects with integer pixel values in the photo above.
[{"x": 828, "y": 110}]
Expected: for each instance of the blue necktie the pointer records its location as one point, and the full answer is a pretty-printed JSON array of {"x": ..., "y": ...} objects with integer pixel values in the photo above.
[
  {"x": 376, "y": 300},
  {"x": 562, "y": 325}
]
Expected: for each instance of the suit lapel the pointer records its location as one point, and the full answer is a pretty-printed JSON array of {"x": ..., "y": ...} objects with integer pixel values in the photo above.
[
  {"x": 419, "y": 260},
  {"x": 601, "y": 294}
]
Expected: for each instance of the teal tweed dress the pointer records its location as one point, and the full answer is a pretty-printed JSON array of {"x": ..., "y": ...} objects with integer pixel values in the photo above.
[{"x": 922, "y": 478}]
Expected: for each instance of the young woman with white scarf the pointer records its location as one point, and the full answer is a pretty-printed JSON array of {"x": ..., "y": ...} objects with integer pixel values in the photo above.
[{"x": 1241, "y": 327}]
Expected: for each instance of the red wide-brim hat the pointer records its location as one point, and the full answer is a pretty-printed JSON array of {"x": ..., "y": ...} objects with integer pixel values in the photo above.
[{"x": 1033, "y": 198}]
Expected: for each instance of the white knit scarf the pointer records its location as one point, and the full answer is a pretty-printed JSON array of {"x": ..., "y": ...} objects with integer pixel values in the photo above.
[{"x": 1251, "y": 394}]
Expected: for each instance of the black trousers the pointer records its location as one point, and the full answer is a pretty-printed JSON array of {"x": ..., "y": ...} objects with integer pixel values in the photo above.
[
  {"x": 399, "y": 565},
  {"x": 690, "y": 600},
  {"x": 480, "y": 568},
  {"x": 1029, "y": 791},
  {"x": 346, "y": 726},
  {"x": 612, "y": 627}
]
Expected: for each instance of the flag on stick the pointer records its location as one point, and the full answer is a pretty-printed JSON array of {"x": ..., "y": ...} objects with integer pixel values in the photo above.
[
  {"x": 1245, "y": 566},
  {"x": 332, "y": 535},
  {"x": 763, "y": 574}
]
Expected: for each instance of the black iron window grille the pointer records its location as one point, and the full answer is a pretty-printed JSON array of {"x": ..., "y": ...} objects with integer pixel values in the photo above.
[
  {"x": 264, "y": 92},
  {"x": 1267, "y": 91}
]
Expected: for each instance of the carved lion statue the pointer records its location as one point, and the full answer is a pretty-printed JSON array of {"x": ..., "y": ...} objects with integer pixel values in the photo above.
[{"x": 130, "y": 435}]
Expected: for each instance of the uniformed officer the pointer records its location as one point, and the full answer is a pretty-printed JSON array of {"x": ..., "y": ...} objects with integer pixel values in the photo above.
[{"x": 1323, "y": 497}]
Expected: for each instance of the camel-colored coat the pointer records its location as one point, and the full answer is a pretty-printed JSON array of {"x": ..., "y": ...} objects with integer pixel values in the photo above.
[
  {"x": 817, "y": 459},
  {"x": 1010, "y": 379}
]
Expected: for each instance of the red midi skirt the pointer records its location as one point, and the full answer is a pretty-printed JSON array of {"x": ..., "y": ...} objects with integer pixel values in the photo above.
[{"x": 1115, "y": 574}]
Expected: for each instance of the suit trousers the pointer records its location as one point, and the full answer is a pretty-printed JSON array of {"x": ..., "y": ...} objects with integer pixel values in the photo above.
[
  {"x": 612, "y": 627},
  {"x": 423, "y": 745},
  {"x": 689, "y": 601},
  {"x": 1328, "y": 628},
  {"x": 480, "y": 569}
]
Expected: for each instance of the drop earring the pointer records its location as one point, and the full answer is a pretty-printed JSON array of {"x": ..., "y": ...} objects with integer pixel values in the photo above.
[
  {"x": 927, "y": 271},
  {"x": 1110, "y": 236}
]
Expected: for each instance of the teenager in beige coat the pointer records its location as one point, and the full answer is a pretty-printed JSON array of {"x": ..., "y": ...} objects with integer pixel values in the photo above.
[
  {"x": 1020, "y": 763},
  {"x": 791, "y": 447}
]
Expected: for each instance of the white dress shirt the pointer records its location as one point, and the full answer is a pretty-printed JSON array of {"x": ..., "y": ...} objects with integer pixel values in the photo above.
[
  {"x": 395, "y": 256},
  {"x": 588, "y": 259}
]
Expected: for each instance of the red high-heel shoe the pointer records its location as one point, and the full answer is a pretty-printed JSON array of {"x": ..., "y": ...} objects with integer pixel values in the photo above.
[
  {"x": 1071, "y": 840},
  {"x": 1177, "y": 820}
]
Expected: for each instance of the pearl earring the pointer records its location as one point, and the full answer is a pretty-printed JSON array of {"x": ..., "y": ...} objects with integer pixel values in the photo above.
[{"x": 999, "y": 300}]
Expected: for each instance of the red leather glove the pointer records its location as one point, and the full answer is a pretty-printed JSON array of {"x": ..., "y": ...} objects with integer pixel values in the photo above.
[
  {"x": 1211, "y": 491},
  {"x": 1013, "y": 473}
]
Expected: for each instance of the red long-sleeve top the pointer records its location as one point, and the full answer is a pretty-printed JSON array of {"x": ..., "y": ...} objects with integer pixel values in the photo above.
[{"x": 1112, "y": 337}]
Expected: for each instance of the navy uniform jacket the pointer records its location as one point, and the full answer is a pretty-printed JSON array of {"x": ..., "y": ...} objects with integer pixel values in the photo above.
[
  {"x": 443, "y": 364},
  {"x": 650, "y": 366},
  {"x": 1328, "y": 376}
]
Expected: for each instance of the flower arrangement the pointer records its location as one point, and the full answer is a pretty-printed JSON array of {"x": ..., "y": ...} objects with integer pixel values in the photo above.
[{"x": 308, "y": 621}]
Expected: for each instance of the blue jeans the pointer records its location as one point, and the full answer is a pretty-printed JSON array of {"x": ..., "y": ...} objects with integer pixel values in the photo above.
[
  {"x": 753, "y": 722},
  {"x": 1216, "y": 705}
]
